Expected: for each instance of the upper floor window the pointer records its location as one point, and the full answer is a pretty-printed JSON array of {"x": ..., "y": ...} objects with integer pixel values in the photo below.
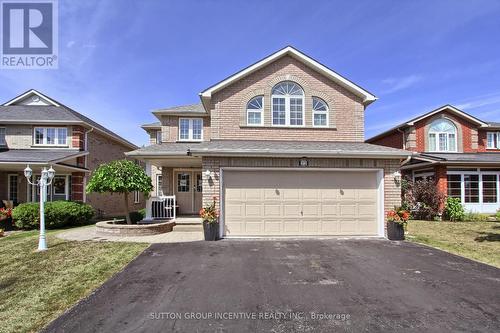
[
  {"x": 3, "y": 142},
  {"x": 287, "y": 104},
  {"x": 254, "y": 111},
  {"x": 190, "y": 129},
  {"x": 50, "y": 136},
  {"x": 320, "y": 112},
  {"x": 442, "y": 136},
  {"x": 493, "y": 140},
  {"x": 158, "y": 136}
]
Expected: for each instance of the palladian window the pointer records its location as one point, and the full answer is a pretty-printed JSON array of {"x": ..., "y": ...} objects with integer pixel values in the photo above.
[
  {"x": 442, "y": 136},
  {"x": 320, "y": 112},
  {"x": 287, "y": 104},
  {"x": 254, "y": 111}
]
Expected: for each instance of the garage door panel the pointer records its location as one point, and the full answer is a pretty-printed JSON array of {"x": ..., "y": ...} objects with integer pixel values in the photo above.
[{"x": 277, "y": 203}]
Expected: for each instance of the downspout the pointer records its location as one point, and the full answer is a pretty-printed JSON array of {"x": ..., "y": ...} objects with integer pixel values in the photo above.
[
  {"x": 85, "y": 177},
  {"x": 404, "y": 140}
]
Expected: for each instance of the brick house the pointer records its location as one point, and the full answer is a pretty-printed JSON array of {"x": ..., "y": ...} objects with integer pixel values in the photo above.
[
  {"x": 281, "y": 145},
  {"x": 458, "y": 150},
  {"x": 40, "y": 131}
]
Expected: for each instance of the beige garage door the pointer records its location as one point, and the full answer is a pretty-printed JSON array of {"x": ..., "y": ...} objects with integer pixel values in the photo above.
[{"x": 277, "y": 203}]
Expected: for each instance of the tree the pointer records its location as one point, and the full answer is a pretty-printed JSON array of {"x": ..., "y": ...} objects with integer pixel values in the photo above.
[
  {"x": 122, "y": 176},
  {"x": 423, "y": 199}
]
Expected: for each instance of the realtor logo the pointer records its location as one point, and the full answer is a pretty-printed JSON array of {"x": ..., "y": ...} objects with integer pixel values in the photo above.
[{"x": 29, "y": 34}]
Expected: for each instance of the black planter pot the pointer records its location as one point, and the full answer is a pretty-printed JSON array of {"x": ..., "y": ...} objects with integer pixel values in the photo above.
[
  {"x": 395, "y": 231},
  {"x": 211, "y": 231}
]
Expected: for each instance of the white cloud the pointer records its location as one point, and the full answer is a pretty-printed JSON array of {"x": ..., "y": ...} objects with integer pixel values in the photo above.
[
  {"x": 396, "y": 84},
  {"x": 480, "y": 101},
  {"x": 70, "y": 44}
]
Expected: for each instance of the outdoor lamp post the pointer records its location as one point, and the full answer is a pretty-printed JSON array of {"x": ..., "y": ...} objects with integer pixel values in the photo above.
[{"x": 44, "y": 181}]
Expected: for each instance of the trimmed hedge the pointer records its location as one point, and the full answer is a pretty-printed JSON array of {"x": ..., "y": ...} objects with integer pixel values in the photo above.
[{"x": 57, "y": 214}]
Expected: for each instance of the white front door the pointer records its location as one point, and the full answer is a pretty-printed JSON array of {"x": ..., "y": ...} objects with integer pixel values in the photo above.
[{"x": 188, "y": 191}]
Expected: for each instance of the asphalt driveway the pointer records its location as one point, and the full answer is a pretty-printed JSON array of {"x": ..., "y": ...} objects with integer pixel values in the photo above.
[{"x": 292, "y": 286}]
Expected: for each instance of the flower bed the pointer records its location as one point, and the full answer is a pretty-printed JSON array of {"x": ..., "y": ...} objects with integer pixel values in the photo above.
[{"x": 109, "y": 228}]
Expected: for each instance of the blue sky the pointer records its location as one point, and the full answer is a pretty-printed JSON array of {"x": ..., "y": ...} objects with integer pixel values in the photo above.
[{"x": 121, "y": 59}]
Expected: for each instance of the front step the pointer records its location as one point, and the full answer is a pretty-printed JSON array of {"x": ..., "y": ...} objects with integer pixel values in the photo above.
[{"x": 198, "y": 227}]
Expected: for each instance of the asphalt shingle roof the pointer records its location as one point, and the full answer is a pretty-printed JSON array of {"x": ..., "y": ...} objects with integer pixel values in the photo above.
[
  {"x": 189, "y": 108},
  {"x": 269, "y": 147},
  {"x": 37, "y": 155},
  {"x": 465, "y": 157}
]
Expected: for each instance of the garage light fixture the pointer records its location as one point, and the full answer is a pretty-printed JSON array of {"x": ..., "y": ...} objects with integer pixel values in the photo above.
[{"x": 397, "y": 178}]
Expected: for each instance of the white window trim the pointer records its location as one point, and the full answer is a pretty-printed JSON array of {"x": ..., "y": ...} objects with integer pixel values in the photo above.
[
  {"x": 137, "y": 198},
  {"x": 66, "y": 186},
  {"x": 287, "y": 110},
  {"x": 32, "y": 190},
  {"x": 44, "y": 130},
  {"x": 261, "y": 110},
  {"x": 327, "y": 112},
  {"x": 159, "y": 190},
  {"x": 436, "y": 148},
  {"x": 496, "y": 140},
  {"x": 190, "y": 131},
  {"x": 3, "y": 142},
  {"x": 158, "y": 136},
  {"x": 480, "y": 188}
]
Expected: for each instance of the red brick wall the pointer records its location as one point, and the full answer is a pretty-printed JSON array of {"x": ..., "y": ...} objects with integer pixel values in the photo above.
[
  {"x": 394, "y": 140},
  {"x": 78, "y": 139},
  {"x": 465, "y": 126},
  {"x": 482, "y": 144},
  {"x": 77, "y": 186}
]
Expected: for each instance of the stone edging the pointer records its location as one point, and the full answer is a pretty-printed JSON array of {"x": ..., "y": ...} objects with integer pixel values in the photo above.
[{"x": 107, "y": 228}]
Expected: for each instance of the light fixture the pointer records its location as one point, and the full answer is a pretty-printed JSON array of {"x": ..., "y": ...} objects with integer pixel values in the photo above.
[
  {"x": 51, "y": 172},
  {"x": 303, "y": 162},
  {"x": 397, "y": 178},
  {"x": 208, "y": 173},
  {"x": 28, "y": 172}
]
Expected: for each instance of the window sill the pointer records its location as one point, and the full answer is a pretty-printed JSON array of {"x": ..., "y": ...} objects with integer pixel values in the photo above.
[
  {"x": 189, "y": 141},
  {"x": 290, "y": 127},
  {"x": 50, "y": 146}
]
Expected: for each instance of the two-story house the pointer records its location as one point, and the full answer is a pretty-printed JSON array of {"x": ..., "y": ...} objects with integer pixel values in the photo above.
[
  {"x": 280, "y": 144},
  {"x": 39, "y": 131},
  {"x": 458, "y": 150}
]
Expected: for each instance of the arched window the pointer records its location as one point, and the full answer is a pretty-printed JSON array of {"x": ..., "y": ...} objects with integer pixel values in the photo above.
[
  {"x": 320, "y": 112},
  {"x": 287, "y": 104},
  {"x": 442, "y": 136},
  {"x": 254, "y": 111}
]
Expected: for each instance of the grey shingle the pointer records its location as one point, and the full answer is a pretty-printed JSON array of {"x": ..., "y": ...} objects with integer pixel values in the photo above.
[
  {"x": 37, "y": 155},
  {"x": 269, "y": 148},
  {"x": 183, "y": 109},
  {"x": 465, "y": 157}
]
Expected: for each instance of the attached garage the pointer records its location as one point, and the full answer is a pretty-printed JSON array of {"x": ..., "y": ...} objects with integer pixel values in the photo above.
[{"x": 311, "y": 202}]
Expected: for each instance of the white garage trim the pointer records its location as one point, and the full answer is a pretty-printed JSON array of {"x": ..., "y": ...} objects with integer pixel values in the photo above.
[{"x": 380, "y": 193}]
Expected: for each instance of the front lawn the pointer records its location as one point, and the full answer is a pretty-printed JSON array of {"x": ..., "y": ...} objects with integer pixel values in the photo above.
[
  {"x": 36, "y": 287},
  {"x": 475, "y": 240}
]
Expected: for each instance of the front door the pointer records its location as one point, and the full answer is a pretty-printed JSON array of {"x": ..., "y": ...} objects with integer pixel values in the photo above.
[{"x": 188, "y": 191}]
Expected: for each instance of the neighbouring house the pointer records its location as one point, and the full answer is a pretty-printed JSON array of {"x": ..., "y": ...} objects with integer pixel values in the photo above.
[
  {"x": 281, "y": 145},
  {"x": 458, "y": 150},
  {"x": 39, "y": 131}
]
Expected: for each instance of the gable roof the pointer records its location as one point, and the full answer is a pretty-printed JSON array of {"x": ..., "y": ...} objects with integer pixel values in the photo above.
[
  {"x": 448, "y": 107},
  {"x": 291, "y": 51},
  {"x": 196, "y": 109},
  {"x": 54, "y": 113}
]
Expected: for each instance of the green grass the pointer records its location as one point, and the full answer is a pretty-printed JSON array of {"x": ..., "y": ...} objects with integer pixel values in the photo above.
[
  {"x": 36, "y": 287},
  {"x": 474, "y": 240}
]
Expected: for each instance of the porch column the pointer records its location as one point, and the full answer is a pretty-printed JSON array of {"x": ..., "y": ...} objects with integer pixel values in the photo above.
[
  {"x": 149, "y": 202},
  {"x": 77, "y": 186},
  {"x": 441, "y": 181}
]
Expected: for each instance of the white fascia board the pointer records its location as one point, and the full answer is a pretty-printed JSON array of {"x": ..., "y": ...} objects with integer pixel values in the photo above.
[
  {"x": 453, "y": 110},
  {"x": 31, "y": 92},
  {"x": 311, "y": 154},
  {"x": 367, "y": 97}
]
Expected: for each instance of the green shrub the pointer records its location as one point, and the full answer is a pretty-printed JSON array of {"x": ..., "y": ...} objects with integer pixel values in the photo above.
[
  {"x": 453, "y": 209},
  {"x": 137, "y": 216},
  {"x": 476, "y": 217},
  {"x": 57, "y": 214}
]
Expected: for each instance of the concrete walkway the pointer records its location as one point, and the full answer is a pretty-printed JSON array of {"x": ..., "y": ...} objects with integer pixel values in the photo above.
[{"x": 88, "y": 233}]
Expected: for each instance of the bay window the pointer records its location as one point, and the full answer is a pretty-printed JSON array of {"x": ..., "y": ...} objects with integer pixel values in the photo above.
[
  {"x": 442, "y": 136},
  {"x": 50, "y": 136},
  {"x": 3, "y": 142},
  {"x": 190, "y": 129},
  {"x": 287, "y": 104}
]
